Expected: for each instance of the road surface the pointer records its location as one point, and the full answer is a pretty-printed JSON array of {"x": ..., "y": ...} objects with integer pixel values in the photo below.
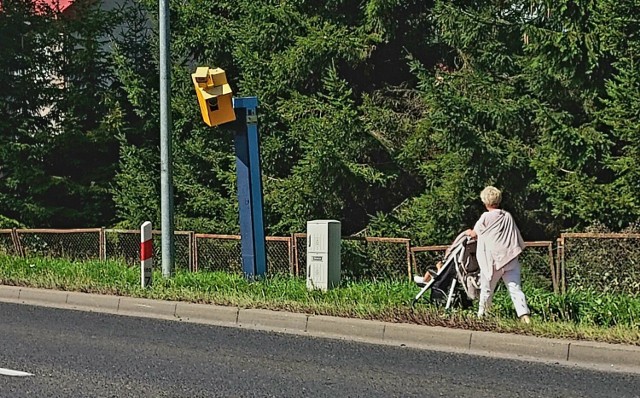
[{"x": 82, "y": 354}]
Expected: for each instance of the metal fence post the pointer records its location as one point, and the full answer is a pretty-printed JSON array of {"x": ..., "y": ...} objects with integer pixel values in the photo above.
[
  {"x": 193, "y": 264},
  {"x": 14, "y": 239},
  {"x": 562, "y": 265},
  {"x": 195, "y": 253},
  {"x": 295, "y": 255},
  {"x": 292, "y": 270},
  {"x": 408, "y": 245},
  {"x": 17, "y": 242},
  {"x": 103, "y": 244},
  {"x": 552, "y": 266}
]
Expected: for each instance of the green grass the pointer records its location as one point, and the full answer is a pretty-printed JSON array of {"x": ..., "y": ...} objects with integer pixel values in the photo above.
[{"x": 585, "y": 315}]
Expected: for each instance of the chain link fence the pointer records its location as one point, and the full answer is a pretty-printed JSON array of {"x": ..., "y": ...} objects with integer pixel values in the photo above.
[
  {"x": 218, "y": 253},
  {"x": 362, "y": 258},
  {"x": 124, "y": 244},
  {"x": 279, "y": 255},
  {"x": 538, "y": 265},
  {"x": 7, "y": 242},
  {"x": 300, "y": 254},
  {"x": 426, "y": 257},
  {"x": 600, "y": 261},
  {"x": 374, "y": 258},
  {"x": 71, "y": 244},
  {"x": 224, "y": 253},
  {"x": 603, "y": 261}
]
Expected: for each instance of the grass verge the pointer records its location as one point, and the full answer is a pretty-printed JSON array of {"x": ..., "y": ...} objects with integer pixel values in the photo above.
[{"x": 577, "y": 315}]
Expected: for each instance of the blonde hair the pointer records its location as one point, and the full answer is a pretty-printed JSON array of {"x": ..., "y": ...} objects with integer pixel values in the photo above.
[{"x": 491, "y": 196}]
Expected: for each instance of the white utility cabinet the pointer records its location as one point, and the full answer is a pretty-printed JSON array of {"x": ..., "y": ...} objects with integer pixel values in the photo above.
[{"x": 323, "y": 254}]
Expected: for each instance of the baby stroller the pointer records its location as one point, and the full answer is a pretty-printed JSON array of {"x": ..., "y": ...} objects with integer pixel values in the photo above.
[{"x": 458, "y": 279}]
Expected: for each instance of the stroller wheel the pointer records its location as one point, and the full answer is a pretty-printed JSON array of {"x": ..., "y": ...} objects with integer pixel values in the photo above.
[
  {"x": 438, "y": 297},
  {"x": 463, "y": 301}
]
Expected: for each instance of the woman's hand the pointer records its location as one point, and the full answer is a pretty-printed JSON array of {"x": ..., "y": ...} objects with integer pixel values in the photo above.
[{"x": 471, "y": 233}]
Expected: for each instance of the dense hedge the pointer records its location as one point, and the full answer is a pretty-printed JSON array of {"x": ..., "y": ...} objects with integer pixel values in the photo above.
[{"x": 388, "y": 115}]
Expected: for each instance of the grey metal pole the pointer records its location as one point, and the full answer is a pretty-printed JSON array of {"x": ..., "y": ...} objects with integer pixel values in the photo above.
[{"x": 166, "y": 172}]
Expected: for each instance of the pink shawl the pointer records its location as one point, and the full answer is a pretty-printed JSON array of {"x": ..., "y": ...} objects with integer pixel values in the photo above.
[{"x": 498, "y": 243}]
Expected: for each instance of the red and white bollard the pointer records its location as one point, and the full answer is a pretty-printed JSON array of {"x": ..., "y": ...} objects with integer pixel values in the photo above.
[{"x": 146, "y": 254}]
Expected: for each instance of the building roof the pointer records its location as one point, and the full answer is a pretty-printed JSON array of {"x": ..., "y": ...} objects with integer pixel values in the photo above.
[
  {"x": 55, "y": 5},
  {"x": 58, "y": 5}
]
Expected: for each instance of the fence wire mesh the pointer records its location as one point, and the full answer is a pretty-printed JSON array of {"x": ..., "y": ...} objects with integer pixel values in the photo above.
[
  {"x": 125, "y": 245},
  {"x": 79, "y": 244},
  {"x": 300, "y": 255},
  {"x": 605, "y": 262},
  {"x": 362, "y": 258},
  {"x": 279, "y": 258},
  {"x": 375, "y": 258},
  {"x": 218, "y": 253},
  {"x": 426, "y": 257},
  {"x": 7, "y": 246},
  {"x": 538, "y": 267},
  {"x": 602, "y": 262}
]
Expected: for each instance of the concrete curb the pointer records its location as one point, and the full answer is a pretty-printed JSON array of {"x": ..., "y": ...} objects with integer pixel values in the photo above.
[
  {"x": 207, "y": 314},
  {"x": 345, "y": 328},
  {"x": 567, "y": 352},
  {"x": 272, "y": 320},
  {"x": 584, "y": 351},
  {"x": 92, "y": 302},
  {"x": 521, "y": 345},
  {"x": 147, "y": 308},
  {"x": 429, "y": 337}
]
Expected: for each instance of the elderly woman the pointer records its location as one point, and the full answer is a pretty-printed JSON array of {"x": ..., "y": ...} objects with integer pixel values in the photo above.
[{"x": 499, "y": 244}]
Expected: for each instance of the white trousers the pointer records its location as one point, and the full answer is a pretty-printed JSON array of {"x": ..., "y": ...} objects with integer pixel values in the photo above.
[{"x": 510, "y": 274}]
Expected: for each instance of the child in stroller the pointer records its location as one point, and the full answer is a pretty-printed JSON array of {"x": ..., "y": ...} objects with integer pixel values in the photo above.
[{"x": 458, "y": 266}]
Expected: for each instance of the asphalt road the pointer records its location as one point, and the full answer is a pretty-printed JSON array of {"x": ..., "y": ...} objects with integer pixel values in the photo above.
[{"x": 82, "y": 354}]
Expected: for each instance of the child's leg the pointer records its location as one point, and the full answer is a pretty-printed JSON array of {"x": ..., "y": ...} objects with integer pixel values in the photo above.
[{"x": 427, "y": 275}]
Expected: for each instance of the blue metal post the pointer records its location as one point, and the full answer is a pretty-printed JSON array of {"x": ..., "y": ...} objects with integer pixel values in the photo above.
[
  {"x": 244, "y": 203},
  {"x": 249, "y": 177}
]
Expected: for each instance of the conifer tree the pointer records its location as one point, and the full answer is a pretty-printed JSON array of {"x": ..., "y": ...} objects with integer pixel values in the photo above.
[{"x": 28, "y": 115}]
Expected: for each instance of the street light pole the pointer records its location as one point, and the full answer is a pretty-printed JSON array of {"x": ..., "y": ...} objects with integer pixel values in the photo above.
[{"x": 166, "y": 171}]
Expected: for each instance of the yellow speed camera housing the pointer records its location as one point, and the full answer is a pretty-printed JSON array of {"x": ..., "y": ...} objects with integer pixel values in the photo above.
[{"x": 214, "y": 95}]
